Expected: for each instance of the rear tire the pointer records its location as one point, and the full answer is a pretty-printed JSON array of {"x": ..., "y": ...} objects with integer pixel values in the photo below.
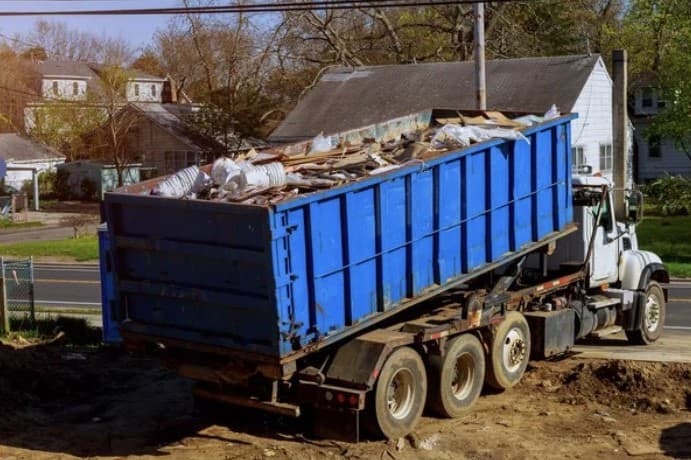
[
  {"x": 400, "y": 393},
  {"x": 653, "y": 319},
  {"x": 456, "y": 379},
  {"x": 509, "y": 352}
]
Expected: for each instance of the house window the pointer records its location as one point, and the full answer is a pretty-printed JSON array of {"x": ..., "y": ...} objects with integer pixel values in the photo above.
[
  {"x": 153, "y": 90},
  {"x": 56, "y": 91},
  {"x": 577, "y": 156},
  {"x": 75, "y": 89},
  {"x": 136, "y": 89},
  {"x": 654, "y": 146},
  {"x": 647, "y": 98},
  {"x": 605, "y": 157}
]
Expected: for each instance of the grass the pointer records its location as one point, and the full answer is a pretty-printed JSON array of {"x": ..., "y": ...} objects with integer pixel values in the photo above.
[
  {"x": 670, "y": 238},
  {"x": 4, "y": 223},
  {"x": 76, "y": 330},
  {"x": 81, "y": 250}
]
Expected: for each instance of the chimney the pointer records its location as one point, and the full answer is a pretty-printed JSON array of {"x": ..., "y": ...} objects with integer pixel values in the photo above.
[
  {"x": 619, "y": 127},
  {"x": 170, "y": 91}
]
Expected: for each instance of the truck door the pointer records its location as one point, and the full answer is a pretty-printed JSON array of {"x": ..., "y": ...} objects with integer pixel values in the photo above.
[{"x": 605, "y": 256}]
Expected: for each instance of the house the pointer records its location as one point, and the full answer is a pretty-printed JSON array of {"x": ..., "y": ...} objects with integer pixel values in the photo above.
[
  {"x": 89, "y": 179},
  {"x": 75, "y": 82},
  {"x": 347, "y": 98},
  {"x": 161, "y": 137},
  {"x": 653, "y": 156},
  {"x": 23, "y": 156}
]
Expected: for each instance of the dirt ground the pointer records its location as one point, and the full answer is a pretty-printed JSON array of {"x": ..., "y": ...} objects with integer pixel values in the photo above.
[{"x": 59, "y": 401}]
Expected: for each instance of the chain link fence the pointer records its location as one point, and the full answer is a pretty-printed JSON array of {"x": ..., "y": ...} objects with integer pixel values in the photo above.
[{"x": 18, "y": 277}]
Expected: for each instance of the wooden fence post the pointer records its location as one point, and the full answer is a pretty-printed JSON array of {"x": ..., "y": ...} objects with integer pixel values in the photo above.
[{"x": 4, "y": 314}]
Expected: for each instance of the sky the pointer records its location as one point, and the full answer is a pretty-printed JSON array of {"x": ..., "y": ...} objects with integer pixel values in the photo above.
[{"x": 137, "y": 30}]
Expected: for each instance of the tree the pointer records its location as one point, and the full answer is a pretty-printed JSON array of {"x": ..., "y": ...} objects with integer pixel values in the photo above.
[
  {"x": 657, "y": 34},
  {"x": 19, "y": 83},
  {"x": 110, "y": 140},
  {"x": 55, "y": 40},
  {"x": 148, "y": 62},
  {"x": 225, "y": 63}
]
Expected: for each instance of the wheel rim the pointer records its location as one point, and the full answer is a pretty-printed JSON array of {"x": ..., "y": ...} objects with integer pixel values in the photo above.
[
  {"x": 652, "y": 313},
  {"x": 514, "y": 350},
  {"x": 463, "y": 375},
  {"x": 400, "y": 394}
]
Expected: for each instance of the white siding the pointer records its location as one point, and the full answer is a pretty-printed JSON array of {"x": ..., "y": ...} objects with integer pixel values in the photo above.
[
  {"x": 65, "y": 89},
  {"x": 145, "y": 91},
  {"x": 593, "y": 126},
  {"x": 670, "y": 161}
]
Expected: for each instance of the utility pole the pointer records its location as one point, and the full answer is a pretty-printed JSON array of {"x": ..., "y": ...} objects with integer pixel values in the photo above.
[
  {"x": 619, "y": 128},
  {"x": 479, "y": 36}
]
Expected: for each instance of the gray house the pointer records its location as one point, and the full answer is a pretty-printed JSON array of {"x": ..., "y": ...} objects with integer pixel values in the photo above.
[
  {"x": 349, "y": 98},
  {"x": 654, "y": 156}
]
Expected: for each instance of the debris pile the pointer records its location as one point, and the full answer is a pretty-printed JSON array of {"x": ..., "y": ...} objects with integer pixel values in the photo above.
[{"x": 263, "y": 178}]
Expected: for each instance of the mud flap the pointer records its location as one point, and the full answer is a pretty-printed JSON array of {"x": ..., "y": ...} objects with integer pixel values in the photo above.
[{"x": 337, "y": 424}]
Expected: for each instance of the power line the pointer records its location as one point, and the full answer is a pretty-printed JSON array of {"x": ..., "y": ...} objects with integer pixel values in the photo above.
[{"x": 271, "y": 7}]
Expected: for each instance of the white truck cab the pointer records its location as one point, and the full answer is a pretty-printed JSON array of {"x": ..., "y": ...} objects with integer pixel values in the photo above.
[{"x": 617, "y": 268}]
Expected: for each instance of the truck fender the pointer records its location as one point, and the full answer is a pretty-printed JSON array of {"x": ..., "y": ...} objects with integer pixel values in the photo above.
[
  {"x": 655, "y": 271},
  {"x": 358, "y": 362},
  {"x": 637, "y": 268}
]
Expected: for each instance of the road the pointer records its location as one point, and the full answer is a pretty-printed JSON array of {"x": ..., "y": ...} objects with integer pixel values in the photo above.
[{"x": 64, "y": 285}]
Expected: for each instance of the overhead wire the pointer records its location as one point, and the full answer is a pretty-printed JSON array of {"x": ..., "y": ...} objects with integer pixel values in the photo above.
[{"x": 265, "y": 7}]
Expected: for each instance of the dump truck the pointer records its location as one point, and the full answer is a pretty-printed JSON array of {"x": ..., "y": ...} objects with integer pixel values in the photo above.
[{"x": 362, "y": 304}]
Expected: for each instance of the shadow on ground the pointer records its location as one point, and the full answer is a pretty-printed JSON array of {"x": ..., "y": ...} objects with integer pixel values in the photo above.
[
  {"x": 676, "y": 441},
  {"x": 58, "y": 398}
]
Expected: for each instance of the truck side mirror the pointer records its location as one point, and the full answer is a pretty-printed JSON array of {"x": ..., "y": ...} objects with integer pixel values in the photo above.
[{"x": 634, "y": 202}]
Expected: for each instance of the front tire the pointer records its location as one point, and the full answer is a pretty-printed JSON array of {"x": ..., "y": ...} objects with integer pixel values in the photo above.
[
  {"x": 653, "y": 317},
  {"x": 400, "y": 393},
  {"x": 456, "y": 379},
  {"x": 509, "y": 353}
]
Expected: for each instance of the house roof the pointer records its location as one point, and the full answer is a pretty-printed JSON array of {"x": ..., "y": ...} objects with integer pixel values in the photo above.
[
  {"x": 65, "y": 69},
  {"x": 348, "y": 98},
  {"x": 15, "y": 148},
  {"x": 171, "y": 118}
]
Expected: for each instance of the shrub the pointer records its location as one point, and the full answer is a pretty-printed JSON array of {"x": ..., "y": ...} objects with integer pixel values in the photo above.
[
  {"x": 671, "y": 194},
  {"x": 62, "y": 186}
]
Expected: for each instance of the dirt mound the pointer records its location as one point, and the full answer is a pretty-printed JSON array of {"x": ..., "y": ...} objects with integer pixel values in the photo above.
[{"x": 632, "y": 385}]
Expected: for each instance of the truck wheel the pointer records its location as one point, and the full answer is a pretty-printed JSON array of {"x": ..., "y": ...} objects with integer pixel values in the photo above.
[
  {"x": 509, "y": 353},
  {"x": 400, "y": 393},
  {"x": 456, "y": 379},
  {"x": 653, "y": 317}
]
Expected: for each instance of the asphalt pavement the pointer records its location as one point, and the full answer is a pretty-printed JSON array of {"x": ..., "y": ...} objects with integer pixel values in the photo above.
[{"x": 67, "y": 285}]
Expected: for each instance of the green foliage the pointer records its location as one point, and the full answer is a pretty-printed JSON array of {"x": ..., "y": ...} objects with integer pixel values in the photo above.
[
  {"x": 671, "y": 195},
  {"x": 62, "y": 186},
  {"x": 657, "y": 34},
  {"x": 82, "y": 249}
]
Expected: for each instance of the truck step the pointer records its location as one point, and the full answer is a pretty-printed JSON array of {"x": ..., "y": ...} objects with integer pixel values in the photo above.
[
  {"x": 602, "y": 302},
  {"x": 606, "y": 331}
]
